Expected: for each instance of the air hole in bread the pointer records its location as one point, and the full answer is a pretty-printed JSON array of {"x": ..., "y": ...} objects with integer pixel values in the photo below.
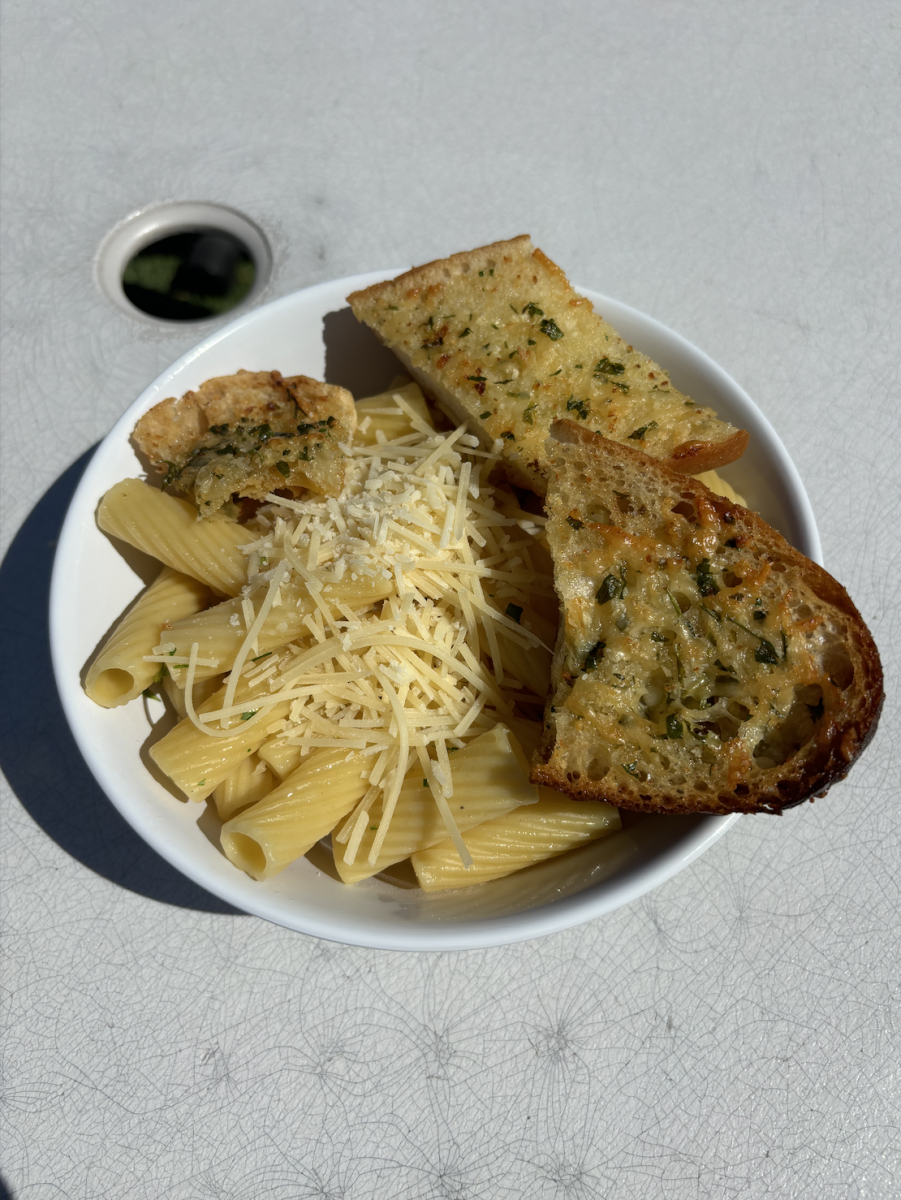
[
  {"x": 742, "y": 789},
  {"x": 730, "y": 579},
  {"x": 654, "y": 700},
  {"x": 727, "y": 726},
  {"x": 786, "y": 738},
  {"x": 598, "y": 766},
  {"x": 624, "y": 504},
  {"x": 838, "y": 666},
  {"x": 600, "y": 515},
  {"x": 683, "y": 601},
  {"x": 684, "y": 509}
]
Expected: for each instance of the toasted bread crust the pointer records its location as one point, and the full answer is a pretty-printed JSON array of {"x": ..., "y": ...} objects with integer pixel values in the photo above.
[
  {"x": 499, "y": 338},
  {"x": 826, "y": 649}
]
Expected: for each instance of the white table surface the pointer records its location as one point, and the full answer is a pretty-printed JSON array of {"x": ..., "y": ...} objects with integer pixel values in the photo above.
[{"x": 732, "y": 170}]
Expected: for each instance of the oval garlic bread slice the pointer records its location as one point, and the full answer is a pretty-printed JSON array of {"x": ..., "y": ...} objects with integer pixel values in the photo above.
[{"x": 703, "y": 664}]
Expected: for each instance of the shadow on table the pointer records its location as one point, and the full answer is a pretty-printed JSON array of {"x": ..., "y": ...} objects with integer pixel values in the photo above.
[{"x": 37, "y": 752}]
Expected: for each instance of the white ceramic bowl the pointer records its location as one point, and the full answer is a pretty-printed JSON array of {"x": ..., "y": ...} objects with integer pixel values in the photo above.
[{"x": 312, "y": 332}]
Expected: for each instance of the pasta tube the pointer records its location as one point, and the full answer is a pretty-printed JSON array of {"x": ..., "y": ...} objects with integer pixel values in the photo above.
[
  {"x": 490, "y": 777},
  {"x": 118, "y": 673},
  {"x": 264, "y": 839},
  {"x": 250, "y": 781},
  {"x": 281, "y": 757},
  {"x": 197, "y": 763},
  {"x": 176, "y": 696},
  {"x": 220, "y": 631},
  {"x": 170, "y": 530},
  {"x": 386, "y": 413},
  {"x": 516, "y": 840}
]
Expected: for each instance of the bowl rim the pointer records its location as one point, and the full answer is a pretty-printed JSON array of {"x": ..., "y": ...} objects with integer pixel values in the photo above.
[{"x": 427, "y": 934}]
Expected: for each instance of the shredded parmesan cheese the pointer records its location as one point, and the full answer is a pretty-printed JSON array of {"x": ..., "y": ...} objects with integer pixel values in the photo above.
[{"x": 411, "y": 676}]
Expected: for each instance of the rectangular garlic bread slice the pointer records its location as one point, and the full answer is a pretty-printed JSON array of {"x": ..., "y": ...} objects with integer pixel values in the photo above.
[
  {"x": 500, "y": 339},
  {"x": 703, "y": 664}
]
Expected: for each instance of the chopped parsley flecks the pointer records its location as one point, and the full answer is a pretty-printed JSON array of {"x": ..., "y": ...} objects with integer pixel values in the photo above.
[
  {"x": 707, "y": 585},
  {"x": 611, "y": 589},
  {"x": 606, "y": 366},
  {"x": 766, "y": 653},
  {"x": 638, "y": 434}
]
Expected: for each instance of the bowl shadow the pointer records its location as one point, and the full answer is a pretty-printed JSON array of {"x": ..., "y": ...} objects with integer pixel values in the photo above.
[
  {"x": 354, "y": 357},
  {"x": 38, "y": 754}
]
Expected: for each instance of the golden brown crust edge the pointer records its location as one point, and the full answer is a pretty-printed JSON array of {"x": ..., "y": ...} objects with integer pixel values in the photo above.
[
  {"x": 442, "y": 268},
  {"x": 838, "y": 745}
]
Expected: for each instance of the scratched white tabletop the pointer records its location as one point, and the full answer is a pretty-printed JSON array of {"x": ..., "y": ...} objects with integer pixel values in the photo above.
[{"x": 732, "y": 170}]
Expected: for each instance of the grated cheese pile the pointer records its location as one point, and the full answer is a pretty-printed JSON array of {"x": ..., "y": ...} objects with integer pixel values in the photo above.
[{"x": 412, "y": 678}]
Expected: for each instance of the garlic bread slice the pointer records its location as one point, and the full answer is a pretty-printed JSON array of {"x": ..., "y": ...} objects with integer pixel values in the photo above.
[
  {"x": 500, "y": 338},
  {"x": 249, "y": 434},
  {"x": 703, "y": 664}
]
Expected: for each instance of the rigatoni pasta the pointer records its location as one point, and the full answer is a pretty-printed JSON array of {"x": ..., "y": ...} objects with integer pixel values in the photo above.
[
  {"x": 168, "y": 529},
  {"x": 250, "y": 781},
  {"x": 508, "y": 843},
  {"x": 120, "y": 673},
  {"x": 220, "y": 630},
  {"x": 379, "y": 654},
  {"x": 490, "y": 777},
  {"x": 306, "y": 806},
  {"x": 197, "y": 762}
]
